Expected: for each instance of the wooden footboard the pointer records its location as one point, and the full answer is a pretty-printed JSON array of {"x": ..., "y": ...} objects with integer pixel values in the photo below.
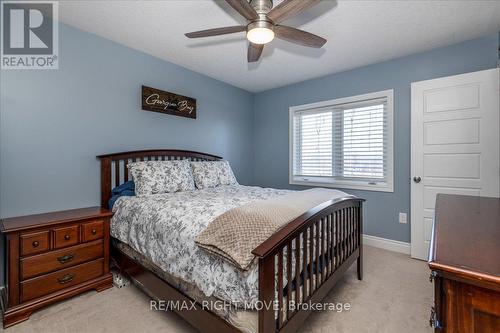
[
  {"x": 298, "y": 264},
  {"x": 304, "y": 260}
]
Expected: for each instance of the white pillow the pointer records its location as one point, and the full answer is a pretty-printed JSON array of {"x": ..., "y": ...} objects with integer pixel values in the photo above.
[
  {"x": 226, "y": 175},
  {"x": 205, "y": 174},
  {"x": 153, "y": 177}
]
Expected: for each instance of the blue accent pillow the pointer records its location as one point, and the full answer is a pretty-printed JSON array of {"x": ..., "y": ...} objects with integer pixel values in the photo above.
[
  {"x": 125, "y": 189},
  {"x": 130, "y": 185}
]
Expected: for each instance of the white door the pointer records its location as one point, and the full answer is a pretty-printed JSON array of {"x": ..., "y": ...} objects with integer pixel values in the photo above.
[{"x": 455, "y": 145}]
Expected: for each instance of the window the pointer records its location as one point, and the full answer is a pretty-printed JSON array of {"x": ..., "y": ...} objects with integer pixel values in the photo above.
[{"x": 344, "y": 143}]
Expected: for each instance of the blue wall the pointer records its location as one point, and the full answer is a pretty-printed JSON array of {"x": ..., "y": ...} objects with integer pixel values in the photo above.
[
  {"x": 54, "y": 122},
  {"x": 271, "y": 121}
]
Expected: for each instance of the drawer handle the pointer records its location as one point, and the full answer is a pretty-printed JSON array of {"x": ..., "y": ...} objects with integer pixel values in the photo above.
[
  {"x": 94, "y": 231},
  {"x": 67, "y": 237},
  {"x": 65, "y": 258},
  {"x": 433, "y": 320},
  {"x": 35, "y": 244},
  {"x": 66, "y": 278}
]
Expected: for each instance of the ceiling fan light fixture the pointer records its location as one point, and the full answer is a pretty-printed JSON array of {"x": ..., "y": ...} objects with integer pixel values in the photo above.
[
  {"x": 260, "y": 35},
  {"x": 265, "y": 24},
  {"x": 260, "y": 32}
]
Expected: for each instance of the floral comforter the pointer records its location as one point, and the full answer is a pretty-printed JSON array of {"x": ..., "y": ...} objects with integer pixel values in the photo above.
[{"x": 163, "y": 227}]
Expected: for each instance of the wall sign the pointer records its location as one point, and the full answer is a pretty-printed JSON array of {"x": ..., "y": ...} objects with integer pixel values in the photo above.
[{"x": 165, "y": 102}]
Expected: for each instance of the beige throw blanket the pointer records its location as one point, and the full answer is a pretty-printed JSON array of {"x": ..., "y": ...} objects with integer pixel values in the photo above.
[{"x": 236, "y": 233}]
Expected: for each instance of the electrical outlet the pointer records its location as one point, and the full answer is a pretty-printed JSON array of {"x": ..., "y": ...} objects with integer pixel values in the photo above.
[{"x": 402, "y": 218}]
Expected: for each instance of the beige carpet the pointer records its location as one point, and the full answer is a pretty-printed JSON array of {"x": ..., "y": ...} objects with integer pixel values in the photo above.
[{"x": 395, "y": 296}]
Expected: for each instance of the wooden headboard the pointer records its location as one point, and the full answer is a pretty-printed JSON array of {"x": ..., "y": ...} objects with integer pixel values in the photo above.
[{"x": 114, "y": 170}]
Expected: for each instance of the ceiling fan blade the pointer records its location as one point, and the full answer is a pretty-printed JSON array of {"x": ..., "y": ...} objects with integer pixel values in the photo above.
[
  {"x": 216, "y": 31},
  {"x": 299, "y": 36},
  {"x": 254, "y": 52},
  {"x": 244, "y": 8},
  {"x": 289, "y": 8}
]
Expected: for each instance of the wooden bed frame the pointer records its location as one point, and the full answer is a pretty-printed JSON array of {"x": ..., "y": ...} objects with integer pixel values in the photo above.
[{"x": 336, "y": 226}]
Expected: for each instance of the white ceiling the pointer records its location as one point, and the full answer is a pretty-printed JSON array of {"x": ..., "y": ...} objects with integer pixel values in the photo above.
[{"x": 359, "y": 33}]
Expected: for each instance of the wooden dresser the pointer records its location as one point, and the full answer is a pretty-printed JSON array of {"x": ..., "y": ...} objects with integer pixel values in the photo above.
[
  {"x": 465, "y": 264},
  {"x": 53, "y": 256}
]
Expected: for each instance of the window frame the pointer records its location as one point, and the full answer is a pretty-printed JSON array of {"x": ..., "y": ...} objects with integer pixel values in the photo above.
[{"x": 347, "y": 183}]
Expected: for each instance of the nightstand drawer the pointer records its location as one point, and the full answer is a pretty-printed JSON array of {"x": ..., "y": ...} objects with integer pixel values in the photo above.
[
  {"x": 65, "y": 278},
  {"x": 66, "y": 236},
  {"x": 54, "y": 260},
  {"x": 36, "y": 242},
  {"x": 92, "y": 230}
]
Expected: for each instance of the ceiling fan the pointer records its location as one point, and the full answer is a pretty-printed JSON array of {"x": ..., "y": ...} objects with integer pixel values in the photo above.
[{"x": 264, "y": 24}]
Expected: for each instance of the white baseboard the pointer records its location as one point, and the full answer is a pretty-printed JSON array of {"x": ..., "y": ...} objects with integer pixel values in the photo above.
[{"x": 387, "y": 244}]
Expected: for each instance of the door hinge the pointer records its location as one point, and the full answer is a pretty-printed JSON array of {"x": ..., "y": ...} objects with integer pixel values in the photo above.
[{"x": 432, "y": 276}]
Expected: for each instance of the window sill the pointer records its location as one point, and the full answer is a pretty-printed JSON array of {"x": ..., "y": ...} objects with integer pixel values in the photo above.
[{"x": 345, "y": 185}]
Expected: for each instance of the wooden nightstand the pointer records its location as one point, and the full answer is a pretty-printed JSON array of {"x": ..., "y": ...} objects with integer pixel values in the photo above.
[{"x": 54, "y": 256}]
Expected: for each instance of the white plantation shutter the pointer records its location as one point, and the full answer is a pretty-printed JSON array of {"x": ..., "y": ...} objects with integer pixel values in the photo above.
[
  {"x": 313, "y": 132},
  {"x": 361, "y": 145},
  {"x": 343, "y": 143}
]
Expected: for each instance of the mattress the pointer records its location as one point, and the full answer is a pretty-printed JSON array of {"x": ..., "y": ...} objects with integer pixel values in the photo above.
[{"x": 163, "y": 228}]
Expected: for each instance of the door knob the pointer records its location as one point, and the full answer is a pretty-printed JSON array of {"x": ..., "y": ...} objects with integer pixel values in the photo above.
[{"x": 417, "y": 179}]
